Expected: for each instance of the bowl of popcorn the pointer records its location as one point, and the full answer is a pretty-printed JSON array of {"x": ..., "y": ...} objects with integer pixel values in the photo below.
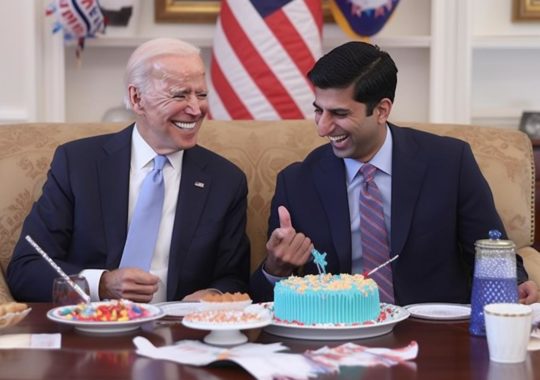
[
  {"x": 225, "y": 301},
  {"x": 12, "y": 313}
]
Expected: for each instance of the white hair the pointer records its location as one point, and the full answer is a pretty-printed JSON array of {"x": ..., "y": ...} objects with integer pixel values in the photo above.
[{"x": 140, "y": 63}]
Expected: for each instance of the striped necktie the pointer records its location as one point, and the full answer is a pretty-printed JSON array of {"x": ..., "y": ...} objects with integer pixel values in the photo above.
[
  {"x": 374, "y": 236},
  {"x": 144, "y": 226}
]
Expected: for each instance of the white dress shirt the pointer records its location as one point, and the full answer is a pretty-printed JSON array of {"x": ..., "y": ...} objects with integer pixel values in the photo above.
[
  {"x": 142, "y": 156},
  {"x": 383, "y": 178}
]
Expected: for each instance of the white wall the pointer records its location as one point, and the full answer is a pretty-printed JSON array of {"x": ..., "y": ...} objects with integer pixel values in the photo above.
[
  {"x": 18, "y": 101},
  {"x": 474, "y": 65},
  {"x": 494, "y": 17},
  {"x": 505, "y": 62},
  {"x": 97, "y": 84}
]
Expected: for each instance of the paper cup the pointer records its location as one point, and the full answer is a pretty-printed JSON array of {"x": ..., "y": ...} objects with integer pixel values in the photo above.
[{"x": 508, "y": 328}]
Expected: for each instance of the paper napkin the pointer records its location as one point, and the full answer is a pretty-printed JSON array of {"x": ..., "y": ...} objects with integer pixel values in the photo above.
[
  {"x": 30, "y": 341},
  {"x": 261, "y": 360},
  {"x": 266, "y": 361},
  {"x": 350, "y": 354}
]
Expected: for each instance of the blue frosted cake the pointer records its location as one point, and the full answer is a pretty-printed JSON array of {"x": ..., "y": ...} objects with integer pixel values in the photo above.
[{"x": 327, "y": 298}]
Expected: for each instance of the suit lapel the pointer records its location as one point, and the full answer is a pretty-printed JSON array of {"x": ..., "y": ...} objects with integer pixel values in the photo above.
[
  {"x": 194, "y": 189},
  {"x": 408, "y": 172},
  {"x": 113, "y": 177},
  {"x": 329, "y": 178}
]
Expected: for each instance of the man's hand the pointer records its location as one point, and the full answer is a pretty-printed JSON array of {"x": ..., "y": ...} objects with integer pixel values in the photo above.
[
  {"x": 199, "y": 294},
  {"x": 286, "y": 248},
  {"x": 528, "y": 292},
  {"x": 129, "y": 283}
]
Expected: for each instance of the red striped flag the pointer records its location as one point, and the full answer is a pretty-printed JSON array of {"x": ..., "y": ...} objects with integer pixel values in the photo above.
[{"x": 261, "y": 53}]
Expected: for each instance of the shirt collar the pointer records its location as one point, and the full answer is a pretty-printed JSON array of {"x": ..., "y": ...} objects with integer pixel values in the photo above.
[
  {"x": 142, "y": 153},
  {"x": 382, "y": 159}
]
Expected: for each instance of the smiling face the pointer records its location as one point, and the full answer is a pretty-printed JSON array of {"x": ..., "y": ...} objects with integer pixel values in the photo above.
[
  {"x": 345, "y": 123},
  {"x": 171, "y": 106}
]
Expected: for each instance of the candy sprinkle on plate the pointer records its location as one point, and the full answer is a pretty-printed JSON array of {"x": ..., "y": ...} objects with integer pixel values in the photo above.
[{"x": 112, "y": 311}]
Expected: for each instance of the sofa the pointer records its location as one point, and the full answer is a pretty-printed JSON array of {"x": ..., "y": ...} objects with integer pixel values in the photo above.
[{"x": 261, "y": 149}]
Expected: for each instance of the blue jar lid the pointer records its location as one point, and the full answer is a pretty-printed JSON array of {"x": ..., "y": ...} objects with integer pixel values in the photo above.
[{"x": 495, "y": 241}]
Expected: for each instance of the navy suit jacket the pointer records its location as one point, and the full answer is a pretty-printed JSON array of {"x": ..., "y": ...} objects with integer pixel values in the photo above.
[
  {"x": 81, "y": 220},
  {"x": 440, "y": 205}
]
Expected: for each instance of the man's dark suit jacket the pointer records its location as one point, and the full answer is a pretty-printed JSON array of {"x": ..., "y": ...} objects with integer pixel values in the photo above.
[
  {"x": 81, "y": 220},
  {"x": 440, "y": 205}
]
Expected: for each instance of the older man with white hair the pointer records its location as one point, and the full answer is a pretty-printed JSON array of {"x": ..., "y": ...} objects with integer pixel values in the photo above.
[{"x": 144, "y": 214}]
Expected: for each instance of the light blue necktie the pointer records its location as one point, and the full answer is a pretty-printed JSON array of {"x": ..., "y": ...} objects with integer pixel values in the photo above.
[
  {"x": 374, "y": 236},
  {"x": 144, "y": 226}
]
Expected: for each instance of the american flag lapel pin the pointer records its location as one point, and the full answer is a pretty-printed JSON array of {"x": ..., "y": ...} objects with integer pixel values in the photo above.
[{"x": 199, "y": 184}]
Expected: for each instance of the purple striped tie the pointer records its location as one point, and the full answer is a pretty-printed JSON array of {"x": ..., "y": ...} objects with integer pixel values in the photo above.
[{"x": 373, "y": 234}]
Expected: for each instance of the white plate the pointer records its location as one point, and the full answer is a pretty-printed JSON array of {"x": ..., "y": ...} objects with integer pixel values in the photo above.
[
  {"x": 93, "y": 327},
  {"x": 178, "y": 308},
  {"x": 227, "y": 326},
  {"x": 339, "y": 332},
  {"x": 225, "y": 334},
  {"x": 440, "y": 311}
]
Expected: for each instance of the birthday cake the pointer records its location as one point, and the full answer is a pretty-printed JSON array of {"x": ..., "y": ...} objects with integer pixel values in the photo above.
[{"x": 326, "y": 298}]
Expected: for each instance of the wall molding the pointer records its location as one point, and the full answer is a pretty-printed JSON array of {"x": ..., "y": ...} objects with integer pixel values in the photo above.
[
  {"x": 14, "y": 115},
  {"x": 451, "y": 62}
]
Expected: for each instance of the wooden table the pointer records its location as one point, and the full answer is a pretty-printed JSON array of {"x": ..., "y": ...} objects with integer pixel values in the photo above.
[{"x": 447, "y": 351}]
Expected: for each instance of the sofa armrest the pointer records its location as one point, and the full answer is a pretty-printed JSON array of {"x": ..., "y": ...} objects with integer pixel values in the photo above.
[{"x": 5, "y": 295}]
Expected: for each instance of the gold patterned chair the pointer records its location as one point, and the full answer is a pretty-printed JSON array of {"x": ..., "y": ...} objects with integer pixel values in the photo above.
[{"x": 261, "y": 149}]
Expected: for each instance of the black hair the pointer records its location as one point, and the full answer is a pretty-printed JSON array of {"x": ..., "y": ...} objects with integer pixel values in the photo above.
[{"x": 371, "y": 69}]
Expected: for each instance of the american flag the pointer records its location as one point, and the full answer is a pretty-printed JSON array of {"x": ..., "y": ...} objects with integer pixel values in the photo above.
[{"x": 261, "y": 53}]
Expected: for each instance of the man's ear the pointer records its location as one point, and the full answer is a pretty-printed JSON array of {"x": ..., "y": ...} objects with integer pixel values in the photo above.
[
  {"x": 135, "y": 99},
  {"x": 382, "y": 110}
]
